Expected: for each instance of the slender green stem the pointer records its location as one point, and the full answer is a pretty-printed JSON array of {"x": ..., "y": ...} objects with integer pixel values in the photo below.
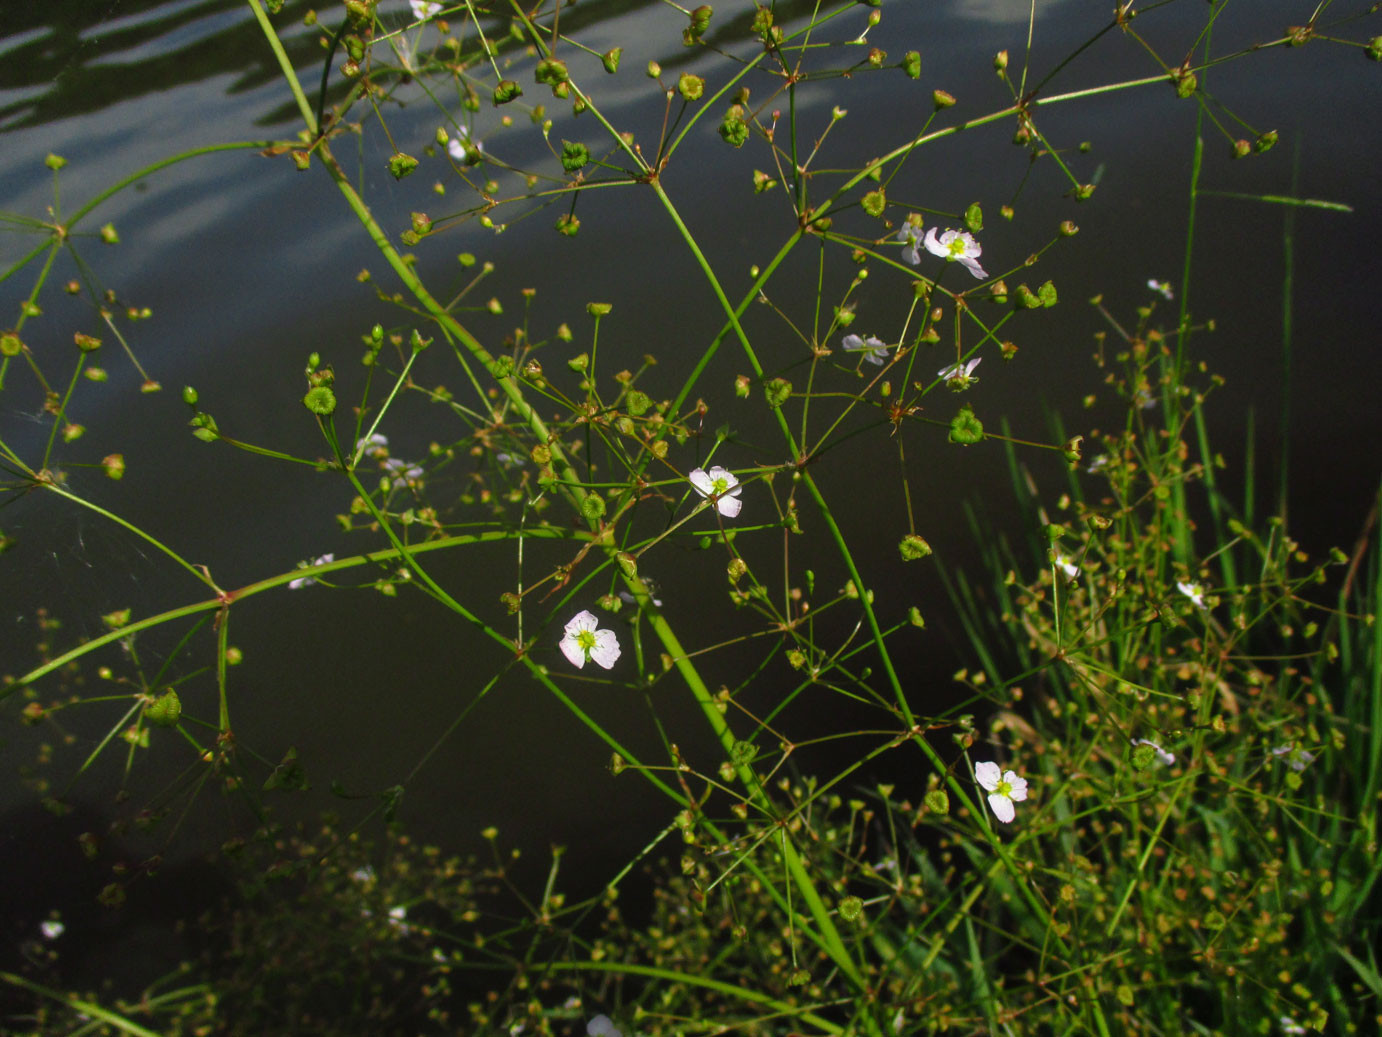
[
  {"x": 200, "y": 573},
  {"x": 286, "y": 67}
]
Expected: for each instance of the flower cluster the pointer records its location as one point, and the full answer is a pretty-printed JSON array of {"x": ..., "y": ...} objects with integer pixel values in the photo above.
[
  {"x": 1004, "y": 788},
  {"x": 960, "y": 375},
  {"x": 875, "y": 350},
  {"x": 954, "y": 245},
  {"x": 307, "y": 581},
  {"x": 583, "y": 639},
  {"x": 721, "y": 486}
]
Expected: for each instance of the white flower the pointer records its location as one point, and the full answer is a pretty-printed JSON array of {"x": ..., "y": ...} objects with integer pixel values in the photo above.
[
  {"x": 364, "y": 875},
  {"x": 723, "y": 485},
  {"x": 397, "y": 916},
  {"x": 583, "y": 640},
  {"x": 306, "y": 581},
  {"x": 601, "y": 1026},
  {"x": 1296, "y": 758},
  {"x": 957, "y": 376},
  {"x": 462, "y": 144},
  {"x": 1161, "y": 754},
  {"x": 1289, "y": 1025},
  {"x": 910, "y": 236},
  {"x": 372, "y": 444},
  {"x": 1098, "y": 463},
  {"x": 877, "y": 350},
  {"x": 424, "y": 9},
  {"x": 401, "y": 471},
  {"x": 1066, "y": 564},
  {"x": 1162, "y": 287},
  {"x": 1194, "y": 592},
  {"x": 957, "y": 245},
  {"x": 1004, "y": 788},
  {"x": 51, "y": 928}
]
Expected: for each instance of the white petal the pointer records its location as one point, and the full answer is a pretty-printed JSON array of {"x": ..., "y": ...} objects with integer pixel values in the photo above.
[
  {"x": 935, "y": 246},
  {"x": 601, "y": 1026},
  {"x": 988, "y": 775},
  {"x": 583, "y": 620},
  {"x": 1017, "y": 786},
  {"x": 972, "y": 265},
  {"x": 606, "y": 650},
  {"x": 729, "y": 506},
  {"x": 1002, "y": 808},
  {"x": 703, "y": 483},
  {"x": 571, "y": 648},
  {"x": 853, "y": 342}
]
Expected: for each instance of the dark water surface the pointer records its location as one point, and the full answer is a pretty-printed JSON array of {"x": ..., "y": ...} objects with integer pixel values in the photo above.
[{"x": 248, "y": 266}]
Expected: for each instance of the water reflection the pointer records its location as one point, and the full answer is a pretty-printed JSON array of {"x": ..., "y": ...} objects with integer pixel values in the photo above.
[{"x": 248, "y": 265}]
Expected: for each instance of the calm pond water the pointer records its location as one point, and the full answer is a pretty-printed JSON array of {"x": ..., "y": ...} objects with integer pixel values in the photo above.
[{"x": 247, "y": 267}]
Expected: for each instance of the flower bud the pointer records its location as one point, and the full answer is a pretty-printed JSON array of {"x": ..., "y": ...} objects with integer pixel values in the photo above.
[
  {"x": 1265, "y": 142},
  {"x": 400, "y": 165},
  {"x": 574, "y": 156},
  {"x": 876, "y": 57},
  {"x": 913, "y": 547},
  {"x": 568, "y": 224},
  {"x": 1374, "y": 50},
  {"x": 54, "y": 162},
  {"x": 1000, "y": 61},
  {"x": 965, "y": 428},
  {"x": 911, "y": 64},
  {"x": 114, "y": 466},
  {"x": 654, "y": 70},
  {"x": 422, "y": 223},
  {"x": 593, "y": 507},
  {"x": 941, "y": 99},
  {"x": 108, "y": 234},
  {"x": 611, "y": 59},
  {"x": 320, "y": 401},
  {"x": 86, "y": 343},
  {"x": 506, "y": 90},
  {"x": 1241, "y": 148},
  {"x": 1186, "y": 83},
  {"x": 165, "y": 710},
  {"x": 628, "y": 564},
  {"x": 551, "y": 71},
  {"x": 1068, "y": 229},
  {"x": 733, "y": 129}
]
